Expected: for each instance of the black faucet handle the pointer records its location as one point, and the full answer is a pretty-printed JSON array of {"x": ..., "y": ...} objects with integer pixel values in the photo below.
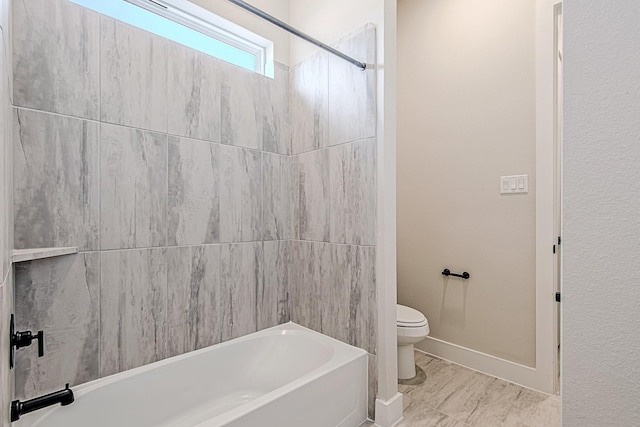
[
  {"x": 24, "y": 339},
  {"x": 40, "y": 338}
]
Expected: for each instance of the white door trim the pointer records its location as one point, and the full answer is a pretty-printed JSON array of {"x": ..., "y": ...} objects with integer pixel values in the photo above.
[{"x": 545, "y": 193}]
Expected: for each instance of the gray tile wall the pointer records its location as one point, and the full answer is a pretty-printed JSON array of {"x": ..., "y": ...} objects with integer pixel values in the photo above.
[
  {"x": 6, "y": 211},
  {"x": 309, "y": 99},
  {"x": 62, "y": 297},
  {"x": 133, "y": 308},
  {"x": 194, "y": 317},
  {"x": 276, "y": 209},
  {"x": 133, "y": 76},
  {"x": 273, "y": 294},
  {"x": 240, "y": 194},
  {"x": 58, "y": 73},
  {"x": 193, "y": 210},
  {"x": 133, "y": 188},
  {"x": 168, "y": 168},
  {"x": 194, "y": 90},
  {"x": 56, "y": 180},
  {"x": 333, "y": 181}
]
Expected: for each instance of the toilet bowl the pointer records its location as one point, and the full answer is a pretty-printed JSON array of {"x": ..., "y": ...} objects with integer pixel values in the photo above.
[{"x": 412, "y": 328}]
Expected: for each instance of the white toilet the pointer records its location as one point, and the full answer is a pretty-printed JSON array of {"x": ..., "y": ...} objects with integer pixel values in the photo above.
[{"x": 412, "y": 328}]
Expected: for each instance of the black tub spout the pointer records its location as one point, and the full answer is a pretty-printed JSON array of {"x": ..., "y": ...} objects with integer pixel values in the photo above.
[{"x": 63, "y": 397}]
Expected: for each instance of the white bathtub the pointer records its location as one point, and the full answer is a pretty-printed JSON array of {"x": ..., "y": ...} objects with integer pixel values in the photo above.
[{"x": 283, "y": 376}]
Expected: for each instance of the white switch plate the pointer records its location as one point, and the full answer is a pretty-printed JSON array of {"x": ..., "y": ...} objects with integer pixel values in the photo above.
[{"x": 514, "y": 184}]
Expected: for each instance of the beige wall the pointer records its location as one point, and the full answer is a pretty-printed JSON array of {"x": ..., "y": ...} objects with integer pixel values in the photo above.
[
  {"x": 326, "y": 21},
  {"x": 330, "y": 20},
  {"x": 466, "y": 115},
  {"x": 277, "y": 8}
]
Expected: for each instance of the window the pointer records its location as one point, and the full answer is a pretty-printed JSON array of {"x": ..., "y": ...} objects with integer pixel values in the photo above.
[{"x": 183, "y": 22}]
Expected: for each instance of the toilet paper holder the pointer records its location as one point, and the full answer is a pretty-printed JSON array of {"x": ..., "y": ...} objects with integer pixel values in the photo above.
[{"x": 447, "y": 272}]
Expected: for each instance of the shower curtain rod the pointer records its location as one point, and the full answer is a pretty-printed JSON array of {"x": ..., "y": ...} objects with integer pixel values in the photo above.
[{"x": 275, "y": 21}]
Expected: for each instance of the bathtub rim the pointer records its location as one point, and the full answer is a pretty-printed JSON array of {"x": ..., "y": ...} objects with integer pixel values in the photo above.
[{"x": 343, "y": 354}]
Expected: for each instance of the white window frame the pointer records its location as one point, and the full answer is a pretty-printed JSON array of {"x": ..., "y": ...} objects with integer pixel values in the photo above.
[{"x": 204, "y": 21}]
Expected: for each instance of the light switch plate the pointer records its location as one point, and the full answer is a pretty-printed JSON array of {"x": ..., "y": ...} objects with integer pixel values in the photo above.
[{"x": 514, "y": 184}]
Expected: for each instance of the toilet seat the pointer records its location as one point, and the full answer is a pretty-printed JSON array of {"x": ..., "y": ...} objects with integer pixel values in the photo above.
[{"x": 407, "y": 317}]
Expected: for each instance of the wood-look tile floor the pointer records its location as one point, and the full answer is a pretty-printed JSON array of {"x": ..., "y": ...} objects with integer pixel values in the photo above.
[{"x": 454, "y": 396}]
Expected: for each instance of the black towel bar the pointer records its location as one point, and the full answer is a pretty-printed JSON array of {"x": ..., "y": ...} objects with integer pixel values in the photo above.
[{"x": 464, "y": 275}]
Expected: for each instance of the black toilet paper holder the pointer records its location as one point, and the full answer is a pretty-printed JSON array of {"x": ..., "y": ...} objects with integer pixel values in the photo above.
[{"x": 447, "y": 272}]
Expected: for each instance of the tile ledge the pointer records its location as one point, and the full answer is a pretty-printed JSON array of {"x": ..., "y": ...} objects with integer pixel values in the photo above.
[{"x": 20, "y": 255}]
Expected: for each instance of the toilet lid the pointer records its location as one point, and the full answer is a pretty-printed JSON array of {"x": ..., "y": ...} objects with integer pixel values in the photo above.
[{"x": 407, "y": 316}]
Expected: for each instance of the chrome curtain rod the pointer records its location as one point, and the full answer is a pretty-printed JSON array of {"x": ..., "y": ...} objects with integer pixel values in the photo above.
[{"x": 275, "y": 21}]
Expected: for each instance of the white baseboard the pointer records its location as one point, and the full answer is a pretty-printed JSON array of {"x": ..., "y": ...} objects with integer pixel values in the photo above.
[
  {"x": 504, "y": 369},
  {"x": 389, "y": 412}
]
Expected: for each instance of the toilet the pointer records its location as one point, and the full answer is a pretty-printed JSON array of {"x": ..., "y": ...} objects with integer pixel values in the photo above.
[{"x": 412, "y": 328}]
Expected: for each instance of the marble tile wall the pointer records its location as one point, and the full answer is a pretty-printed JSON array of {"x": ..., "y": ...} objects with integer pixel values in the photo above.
[
  {"x": 60, "y": 296},
  {"x": 310, "y": 282},
  {"x": 310, "y": 182},
  {"x": 276, "y": 209},
  {"x": 133, "y": 76},
  {"x": 108, "y": 311},
  {"x": 194, "y": 90},
  {"x": 207, "y": 201},
  {"x": 133, "y": 308},
  {"x": 193, "y": 302},
  {"x": 168, "y": 168},
  {"x": 334, "y": 145},
  {"x": 276, "y": 120},
  {"x": 241, "y": 277},
  {"x": 133, "y": 188},
  {"x": 63, "y": 211},
  {"x": 352, "y": 192},
  {"x": 333, "y": 288},
  {"x": 273, "y": 294},
  {"x": 60, "y": 73},
  {"x": 352, "y": 92},
  {"x": 334, "y": 194},
  {"x": 193, "y": 211},
  {"x": 309, "y": 99},
  {"x": 240, "y": 194},
  {"x": 242, "y": 108},
  {"x": 333, "y": 201}
]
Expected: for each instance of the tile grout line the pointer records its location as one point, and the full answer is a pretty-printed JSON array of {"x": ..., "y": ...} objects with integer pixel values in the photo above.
[
  {"x": 165, "y": 347},
  {"x": 168, "y": 134},
  {"x": 100, "y": 34},
  {"x": 100, "y": 245},
  {"x": 155, "y": 248}
]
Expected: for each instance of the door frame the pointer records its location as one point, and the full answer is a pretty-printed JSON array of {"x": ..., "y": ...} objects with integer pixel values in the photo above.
[
  {"x": 557, "y": 275},
  {"x": 546, "y": 326}
]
